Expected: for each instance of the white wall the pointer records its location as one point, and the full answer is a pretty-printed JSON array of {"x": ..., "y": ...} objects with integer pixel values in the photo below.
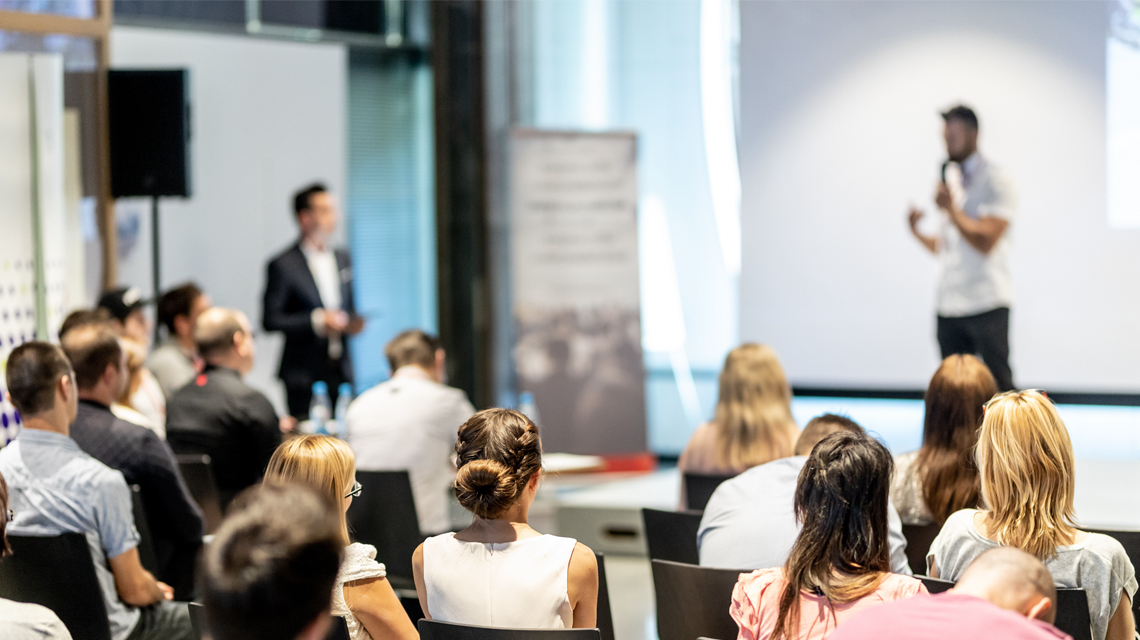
[
  {"x": 840, "y": 132},
  {"x": 268, "y": 117}
]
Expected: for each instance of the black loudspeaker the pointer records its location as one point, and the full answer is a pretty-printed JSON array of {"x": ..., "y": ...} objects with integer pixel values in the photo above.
[{"x": 150, "y": 132}]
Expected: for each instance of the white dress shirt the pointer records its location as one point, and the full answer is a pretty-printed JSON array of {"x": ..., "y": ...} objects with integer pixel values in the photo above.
[{"x": 322, "y": 264}]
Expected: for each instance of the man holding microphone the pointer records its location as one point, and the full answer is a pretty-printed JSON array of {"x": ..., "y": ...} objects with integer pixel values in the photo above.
[{"x": 975, "y": 288}]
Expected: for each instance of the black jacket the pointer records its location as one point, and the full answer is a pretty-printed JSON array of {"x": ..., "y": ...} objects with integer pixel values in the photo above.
[{"x": 291, "y": 295}]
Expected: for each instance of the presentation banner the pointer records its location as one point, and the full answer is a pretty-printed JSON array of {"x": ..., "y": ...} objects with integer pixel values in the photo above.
[{"x": 575, "y": 288}]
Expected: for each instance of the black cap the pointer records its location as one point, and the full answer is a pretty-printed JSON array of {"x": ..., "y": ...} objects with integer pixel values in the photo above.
[
  {"x": 963, "y": 113},
  {"x": 122, "y": 301}
]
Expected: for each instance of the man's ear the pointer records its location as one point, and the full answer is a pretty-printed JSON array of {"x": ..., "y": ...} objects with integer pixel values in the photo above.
[
  {"x": 1042, "y": 610},
  {"x": 63, "y": 385}
]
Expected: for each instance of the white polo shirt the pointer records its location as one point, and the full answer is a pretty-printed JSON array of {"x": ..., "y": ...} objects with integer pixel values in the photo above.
[{"x": 972, "y": 282}]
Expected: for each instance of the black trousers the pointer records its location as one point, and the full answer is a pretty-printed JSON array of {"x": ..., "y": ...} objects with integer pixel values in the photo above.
[
  {"x": 298, "y": 397},
  {"x": 985, "y": 335}
]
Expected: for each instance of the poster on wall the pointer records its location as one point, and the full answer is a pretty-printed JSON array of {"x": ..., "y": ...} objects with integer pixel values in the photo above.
[{"x": 575, "y": 288}]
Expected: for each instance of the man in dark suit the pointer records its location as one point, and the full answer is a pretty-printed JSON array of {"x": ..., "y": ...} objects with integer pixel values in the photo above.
[{"x": 308, "y": 296}]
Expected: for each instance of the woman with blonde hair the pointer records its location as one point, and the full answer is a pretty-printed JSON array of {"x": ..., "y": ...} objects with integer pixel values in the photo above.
[
  {"x": 942, "y": 477},
  {"x": 753, "y": 421},
  {"x": 1025, "y": 460},
  {"x": 362, "y": 595},
  {"x": 499, "y": 572}
]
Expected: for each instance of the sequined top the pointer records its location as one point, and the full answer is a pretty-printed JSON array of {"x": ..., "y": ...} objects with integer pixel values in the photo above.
[{"x": 906, "y": 491}]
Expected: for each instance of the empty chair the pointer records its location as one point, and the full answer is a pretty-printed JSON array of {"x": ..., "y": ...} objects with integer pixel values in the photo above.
[
  {"x": 605, "y": 613},
  {"x": 672, "y": 535},
  {"x": 918, "y": 540},
  {"x": 434, "y": 630},
  {"x": 1073, "y": 613},
  {"x": 384, "y": 516},
  {"x": 56, "y": 572},
  {"x": 693, "y": 601},
  {"x": 699, "y": 488},
  {"x": 199, "y": 479}
]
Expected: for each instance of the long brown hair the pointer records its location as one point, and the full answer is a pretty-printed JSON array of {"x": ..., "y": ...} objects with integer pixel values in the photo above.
[
  {"x": 753, "y": 416},
  {"x": 842, "y": 551},
  {"x": 945, "y": 464}
]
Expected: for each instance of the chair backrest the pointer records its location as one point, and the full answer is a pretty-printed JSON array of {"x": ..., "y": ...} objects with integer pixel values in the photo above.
[
  {"x": 384, "y": 516},
  {"x": 919, "y": 537},
  {"x": 605, "y": 614},
  {"x": 56, "y": 572},
  {"x": 147, "y": 557},
  {"x": 672, "y": 535},
  {"x": 1073, "y": 613},
  {"x": 338, "y": 630},
  {"x": 199, "y": 477},
  {"x": 934, "y": 585},
  {"x": 1130, "y": 540},
  {"x": 699, "y": 488},
  {"x": 435, "y": 630},
  {"x": 693, "y": 601},
  {"x": 197, "y": 619}
]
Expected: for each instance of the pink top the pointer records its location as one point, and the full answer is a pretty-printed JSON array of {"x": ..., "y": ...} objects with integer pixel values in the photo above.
[
  {"x": 756, "y": 604},
  {"x": 946, "y": 615}
]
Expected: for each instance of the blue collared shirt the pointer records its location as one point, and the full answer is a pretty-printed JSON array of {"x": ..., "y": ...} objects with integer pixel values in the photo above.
[{"x": 56, "y": 488}]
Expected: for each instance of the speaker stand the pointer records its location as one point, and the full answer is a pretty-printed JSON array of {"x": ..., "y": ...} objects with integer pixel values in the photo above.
[{"x": 156, "y": 261}]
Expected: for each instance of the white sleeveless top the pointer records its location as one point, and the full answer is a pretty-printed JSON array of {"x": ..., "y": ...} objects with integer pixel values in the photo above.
[
  {"x": 520, "y": 584},
  {"x": 359, "y": 564}
]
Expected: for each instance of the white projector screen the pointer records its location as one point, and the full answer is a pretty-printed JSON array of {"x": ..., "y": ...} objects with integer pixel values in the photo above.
[{"x": 840, "y": 132}]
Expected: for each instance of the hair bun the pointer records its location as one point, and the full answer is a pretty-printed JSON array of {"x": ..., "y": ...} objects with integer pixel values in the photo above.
[{"x": 485, "y": 487}]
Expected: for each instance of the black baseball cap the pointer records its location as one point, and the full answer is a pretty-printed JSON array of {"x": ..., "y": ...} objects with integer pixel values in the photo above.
[{"x": 122, "y": 301}]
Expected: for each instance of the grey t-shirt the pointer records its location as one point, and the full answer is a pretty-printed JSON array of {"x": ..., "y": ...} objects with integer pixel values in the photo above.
[
  {"x": 1097, "y": 564},
  {"x": 749, "y": 523},
  {"x": 24, "y": 621}
]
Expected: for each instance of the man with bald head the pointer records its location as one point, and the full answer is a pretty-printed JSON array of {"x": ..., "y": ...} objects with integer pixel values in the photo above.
[
  {"x": 1005, "y": 593},
  {"x": 217, "y": 413}
]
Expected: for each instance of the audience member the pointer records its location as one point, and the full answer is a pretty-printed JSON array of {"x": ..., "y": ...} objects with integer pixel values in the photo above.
[
  {"x": 122, "y": 408},
  {"x": 143, "y": 458},
  {"x": 409, "y": 423},
  {"x": 126, "y": 308},
  {"x": 942, "y": 476},
  {"x": 218, "y": 414},
  {"x": 175, "y": 362},
  {"x": 21, "y": 620},
  {"x": 57, "y": 488},
  {"x": 500, "y": 572},
  {"x": 1025, "y": 460},
  {"x": 362, "y": 593},
  {"x": 750, "y": 521},
  {"x": 1005, "y": 594},
  {"x": 81, "y": 317},
  {"x": 753, "y": 421},
  {"x": 840, "y": 562},
  {"x": 269, "y": 572}
]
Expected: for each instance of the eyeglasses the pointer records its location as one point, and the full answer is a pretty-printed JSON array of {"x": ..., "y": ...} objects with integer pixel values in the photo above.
[
  {"x": 11, "y": 516},
  {"x": 356, "y": 489}
]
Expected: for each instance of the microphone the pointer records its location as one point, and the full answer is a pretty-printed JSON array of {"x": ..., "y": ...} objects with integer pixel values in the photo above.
[{"x": 944, "y": 165}]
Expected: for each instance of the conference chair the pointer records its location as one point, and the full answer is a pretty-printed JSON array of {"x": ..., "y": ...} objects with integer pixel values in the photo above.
[
  {"x": 1073, "y": 613},
  {"x": 1130, "y": 540},
  {"x": 57, "y": 572},
  {"x": 672, "y": 535},
  {"x": 693, "y": 601},
  {"x": 435, "y": 630},
  {"x": 935, "y": 585},
  {"x": 199, "y": 477},
  {"x": 699, "y": 488},
  {"x": 919, "y": 537},
  {"x": 605, "y": 620},
  {"x": 147, "y": 556},
  {"x": 338, "y": 630},
  {"x": 384, "y": 516}
]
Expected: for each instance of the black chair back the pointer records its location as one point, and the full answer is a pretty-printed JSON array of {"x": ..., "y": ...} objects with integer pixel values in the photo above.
[
  {"x": 919, "y": 537},
  {"x": 1130, "y": 540},
  {"x": 699, "y": 488},
  {"x": 147, "y": 557},
  {"x": 435, "y": 630},
  {"x": 1073, "y": 613},
  {"x": 605, "y": 614},
  {"x": 199, "y": 477},
  {"x": 57, "y": 572},
  {"x": 338, "y": 630},
  {"x": 934, "y": 585},
  {"x": 384, "y": 516},
  {"x": 672, "y": 535},
  {"x": 693, "y": 602},
  {"x": 197, "y": 619}
]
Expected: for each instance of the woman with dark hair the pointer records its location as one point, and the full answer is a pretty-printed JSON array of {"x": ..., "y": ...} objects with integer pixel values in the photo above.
[
  {"x": 21, "y": 620},
  {"x": 942, "y": 476},
  {"x": 841, "y": 561},
  {"x": 499, "y": 572}
]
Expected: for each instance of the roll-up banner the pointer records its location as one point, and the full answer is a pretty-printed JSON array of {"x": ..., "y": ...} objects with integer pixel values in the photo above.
[{"x": 575, "y": 288}]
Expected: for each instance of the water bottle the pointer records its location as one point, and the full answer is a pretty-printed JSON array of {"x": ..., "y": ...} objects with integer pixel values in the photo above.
[
  {"x": 527, "y": 407},
  {"x": 319, "y": 409},
  {"x": 343, "y": 399}
]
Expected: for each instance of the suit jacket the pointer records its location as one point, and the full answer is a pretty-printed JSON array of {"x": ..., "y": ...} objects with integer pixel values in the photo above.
[{"x": 291, "y": 295}]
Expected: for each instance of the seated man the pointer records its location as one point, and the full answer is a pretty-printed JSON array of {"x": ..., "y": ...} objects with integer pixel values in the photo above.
[
  {"x": 749, "y": 522},
  {"x": 175, "y": 362},
  {"x": 269, "y": 572},
  {"x": 1005, "y": 593},
  {"x": 57, "y": 488},
  {"x": 410, "y": 423},
  {"x": 174, "y": 519},
  {"x": 217, "y": 413}
]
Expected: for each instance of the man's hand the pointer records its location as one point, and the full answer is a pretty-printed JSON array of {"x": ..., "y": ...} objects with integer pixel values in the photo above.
[
  {"x": 287, "y": 424},
  {"x": 167, "y": 590},
  {"x": 336, "y": 321},
  {"x": 355, "y": 325},
  {"x": 942, "y": 197},
  {"x": 913, "y": 218}
]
